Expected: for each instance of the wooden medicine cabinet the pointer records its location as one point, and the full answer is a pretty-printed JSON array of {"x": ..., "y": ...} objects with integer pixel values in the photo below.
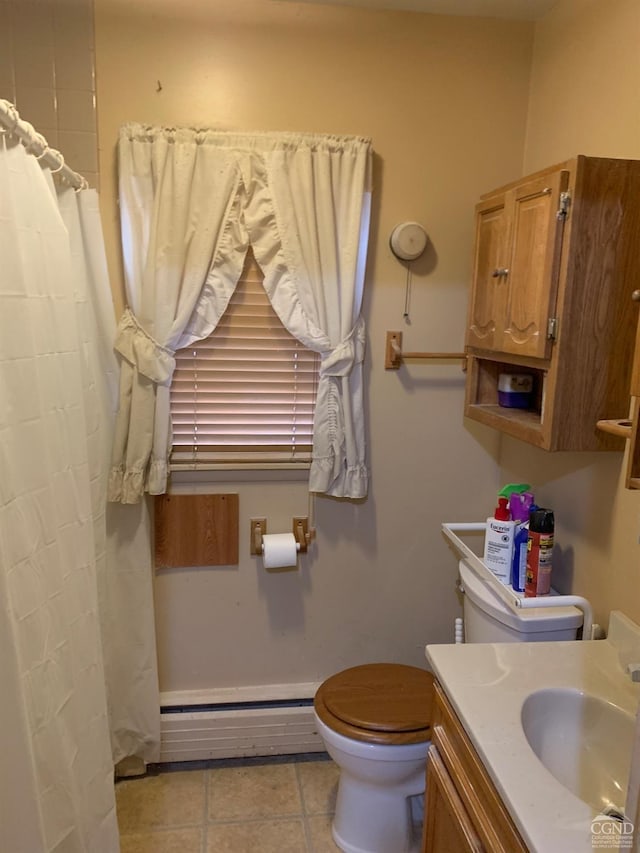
[{"x": 557, "y": 258}]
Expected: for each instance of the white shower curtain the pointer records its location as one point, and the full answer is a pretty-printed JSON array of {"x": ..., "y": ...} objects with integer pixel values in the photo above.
[
  {"x": 122, "y": 538},
  {"x": 67, "y": 674}
]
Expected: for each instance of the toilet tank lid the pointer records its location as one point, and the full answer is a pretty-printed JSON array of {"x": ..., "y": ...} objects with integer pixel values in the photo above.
[{"x": 527, "y": 621}]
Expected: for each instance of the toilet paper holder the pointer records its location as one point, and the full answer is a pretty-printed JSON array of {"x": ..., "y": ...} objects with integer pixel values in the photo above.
[{"x": 300, "y": 530}]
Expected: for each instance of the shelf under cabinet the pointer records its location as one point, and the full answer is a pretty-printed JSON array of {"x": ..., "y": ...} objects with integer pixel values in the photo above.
[
  {"x": 546, "y": 424},
  {"x": 521, "y": 423},
  {"x": 520, "y": 416},
  {"x": 482, "y": 399}
]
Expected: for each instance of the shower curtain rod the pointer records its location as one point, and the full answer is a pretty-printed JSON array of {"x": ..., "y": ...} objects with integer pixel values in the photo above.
[{"x": 36, "y": 144}]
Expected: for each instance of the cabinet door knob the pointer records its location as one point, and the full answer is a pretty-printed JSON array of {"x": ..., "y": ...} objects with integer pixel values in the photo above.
[
  {"x": 498, "y": 273},
  {"x": 635, "y": 295}
]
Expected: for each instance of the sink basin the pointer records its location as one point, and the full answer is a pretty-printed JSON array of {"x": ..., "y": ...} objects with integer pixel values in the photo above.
[{"x": 585, "y": 742}]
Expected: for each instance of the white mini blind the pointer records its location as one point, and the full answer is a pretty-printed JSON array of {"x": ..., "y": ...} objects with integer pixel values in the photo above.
[{"x": 246, "y": 394}]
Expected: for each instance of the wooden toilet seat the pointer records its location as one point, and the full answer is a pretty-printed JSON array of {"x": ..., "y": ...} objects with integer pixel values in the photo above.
[{"x": 385, "y": 703}]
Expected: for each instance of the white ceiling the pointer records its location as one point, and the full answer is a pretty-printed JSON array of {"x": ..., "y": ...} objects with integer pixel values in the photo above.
[{"x": 526, "y": 10}]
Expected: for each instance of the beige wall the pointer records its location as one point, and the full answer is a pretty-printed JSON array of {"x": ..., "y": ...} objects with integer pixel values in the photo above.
[
  {"x": 454, "y": 106},
  {"x": 584, "y": 100},
  {"x": 445, "y": 102},
  {"x": 585, "y": 83},
  {"x": 46, "y": 70}
]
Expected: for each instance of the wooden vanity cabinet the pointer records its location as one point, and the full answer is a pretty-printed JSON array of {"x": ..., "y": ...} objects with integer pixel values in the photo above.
[
  {"x": 555, "y": 263},
  {"x": 463, "y": 810}
]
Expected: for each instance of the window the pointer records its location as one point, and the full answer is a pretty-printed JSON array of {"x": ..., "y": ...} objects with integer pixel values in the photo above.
[{"x": 246, "y": 394}]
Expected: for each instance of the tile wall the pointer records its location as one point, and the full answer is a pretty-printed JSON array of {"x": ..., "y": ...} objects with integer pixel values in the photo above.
[{"x": 47, "y": 71}]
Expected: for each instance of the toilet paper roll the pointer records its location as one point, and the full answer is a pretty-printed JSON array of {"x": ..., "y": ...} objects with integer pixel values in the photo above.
[{"x": 279, "y": 550}]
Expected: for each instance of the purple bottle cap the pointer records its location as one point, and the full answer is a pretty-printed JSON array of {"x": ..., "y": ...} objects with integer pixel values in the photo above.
[{"x": 519, "y": 505}]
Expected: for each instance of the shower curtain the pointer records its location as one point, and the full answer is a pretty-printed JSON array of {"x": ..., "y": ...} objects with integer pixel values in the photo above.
[
  {"x": 122, "y": 538},
  {"x": 78, "y": 681}
]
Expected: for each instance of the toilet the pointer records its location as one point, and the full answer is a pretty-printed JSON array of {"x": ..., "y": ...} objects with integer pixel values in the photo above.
[{"x": 375, "y": 722}]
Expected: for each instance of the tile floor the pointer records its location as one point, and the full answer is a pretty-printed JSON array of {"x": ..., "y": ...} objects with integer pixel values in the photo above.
[{"x": 244, "y": 806}]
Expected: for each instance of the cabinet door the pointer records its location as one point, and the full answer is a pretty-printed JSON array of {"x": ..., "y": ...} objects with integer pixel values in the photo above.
[
  {"x": 488, "y": 302},
  {"x": 635, "y": 374},
  {"x": 535, "y": 240},
  {"x": 633, "y": 453},
  {"x": 447, "y": 828}
]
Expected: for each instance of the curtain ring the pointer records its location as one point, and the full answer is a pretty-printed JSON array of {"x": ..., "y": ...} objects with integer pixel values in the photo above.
[
  {"x": 84, "y": 185},
  {"x": 61, "y": 158},
  {"x": 14, "y": 116},
  {"x": 38, "y": 141},
  {"x": 31, "y": 134}
]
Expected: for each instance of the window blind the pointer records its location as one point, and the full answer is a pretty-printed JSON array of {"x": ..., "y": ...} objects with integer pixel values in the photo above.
[{"x": 246, "y": 394}]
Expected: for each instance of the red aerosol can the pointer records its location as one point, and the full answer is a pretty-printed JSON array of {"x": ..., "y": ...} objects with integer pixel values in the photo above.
[{"x": 539, "y": 553}]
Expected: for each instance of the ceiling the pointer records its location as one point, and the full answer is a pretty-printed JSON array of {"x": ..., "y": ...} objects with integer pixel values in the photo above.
[{"x": 525, "y": 10}]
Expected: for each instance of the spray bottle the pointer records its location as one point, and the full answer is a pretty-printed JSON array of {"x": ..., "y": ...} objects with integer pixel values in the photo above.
[
  {"x": 520, "y": 505},
  {"x": 539, "y": 553}
]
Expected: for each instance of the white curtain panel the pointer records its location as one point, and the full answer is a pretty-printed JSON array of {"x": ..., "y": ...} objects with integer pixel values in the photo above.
[
  {"x": 122, "y": 539},
  {"x": 308, "y": 220},
  {"x": 56, "y": 773},
  {"x": 179, "y": 214},
  {"x": 191, "y": 202}
]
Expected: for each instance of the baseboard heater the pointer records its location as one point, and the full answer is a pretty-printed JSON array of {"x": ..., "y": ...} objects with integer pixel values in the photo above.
[{"x": 238, "y": 723}]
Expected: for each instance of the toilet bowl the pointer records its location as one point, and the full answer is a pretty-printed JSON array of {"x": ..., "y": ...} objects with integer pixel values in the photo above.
[{"x": 375, "y": 721}]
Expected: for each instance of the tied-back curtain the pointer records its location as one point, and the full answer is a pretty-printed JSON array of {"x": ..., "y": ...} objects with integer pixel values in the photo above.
[
  {"x": 308, "y": 220},
  {"x": 178, "y": 208},
  {"x": 191, "y": 203}
]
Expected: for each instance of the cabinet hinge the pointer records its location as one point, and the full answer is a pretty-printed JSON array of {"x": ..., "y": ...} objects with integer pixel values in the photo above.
[
  {"x": 552, "y": 328},
  {"x": 563, "y": 208}
]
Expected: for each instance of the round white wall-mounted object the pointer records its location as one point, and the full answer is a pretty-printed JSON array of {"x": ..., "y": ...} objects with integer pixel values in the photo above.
[{"x": 408, "y": 241}]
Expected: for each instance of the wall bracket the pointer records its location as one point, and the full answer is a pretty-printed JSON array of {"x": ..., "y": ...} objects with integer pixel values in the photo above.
[
  {"x": 301, "y": 532},
  {"x": 258, "y": 530},
  {"x": 394, "y": 356},
  {"x": 300, "y": 529}
]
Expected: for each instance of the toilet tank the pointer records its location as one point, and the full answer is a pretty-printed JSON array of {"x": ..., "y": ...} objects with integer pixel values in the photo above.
[{"x": 487, "y": 619}]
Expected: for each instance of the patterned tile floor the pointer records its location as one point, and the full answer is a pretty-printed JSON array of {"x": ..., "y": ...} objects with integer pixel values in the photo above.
[{"x": 243, "y": 806}]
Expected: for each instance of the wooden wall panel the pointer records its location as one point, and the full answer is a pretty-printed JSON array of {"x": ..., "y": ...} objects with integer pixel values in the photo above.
[{"x": 196, "y": 530}]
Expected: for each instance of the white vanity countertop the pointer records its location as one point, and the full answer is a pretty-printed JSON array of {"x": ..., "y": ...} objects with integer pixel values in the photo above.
[{"x": 487, "y": 684}]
